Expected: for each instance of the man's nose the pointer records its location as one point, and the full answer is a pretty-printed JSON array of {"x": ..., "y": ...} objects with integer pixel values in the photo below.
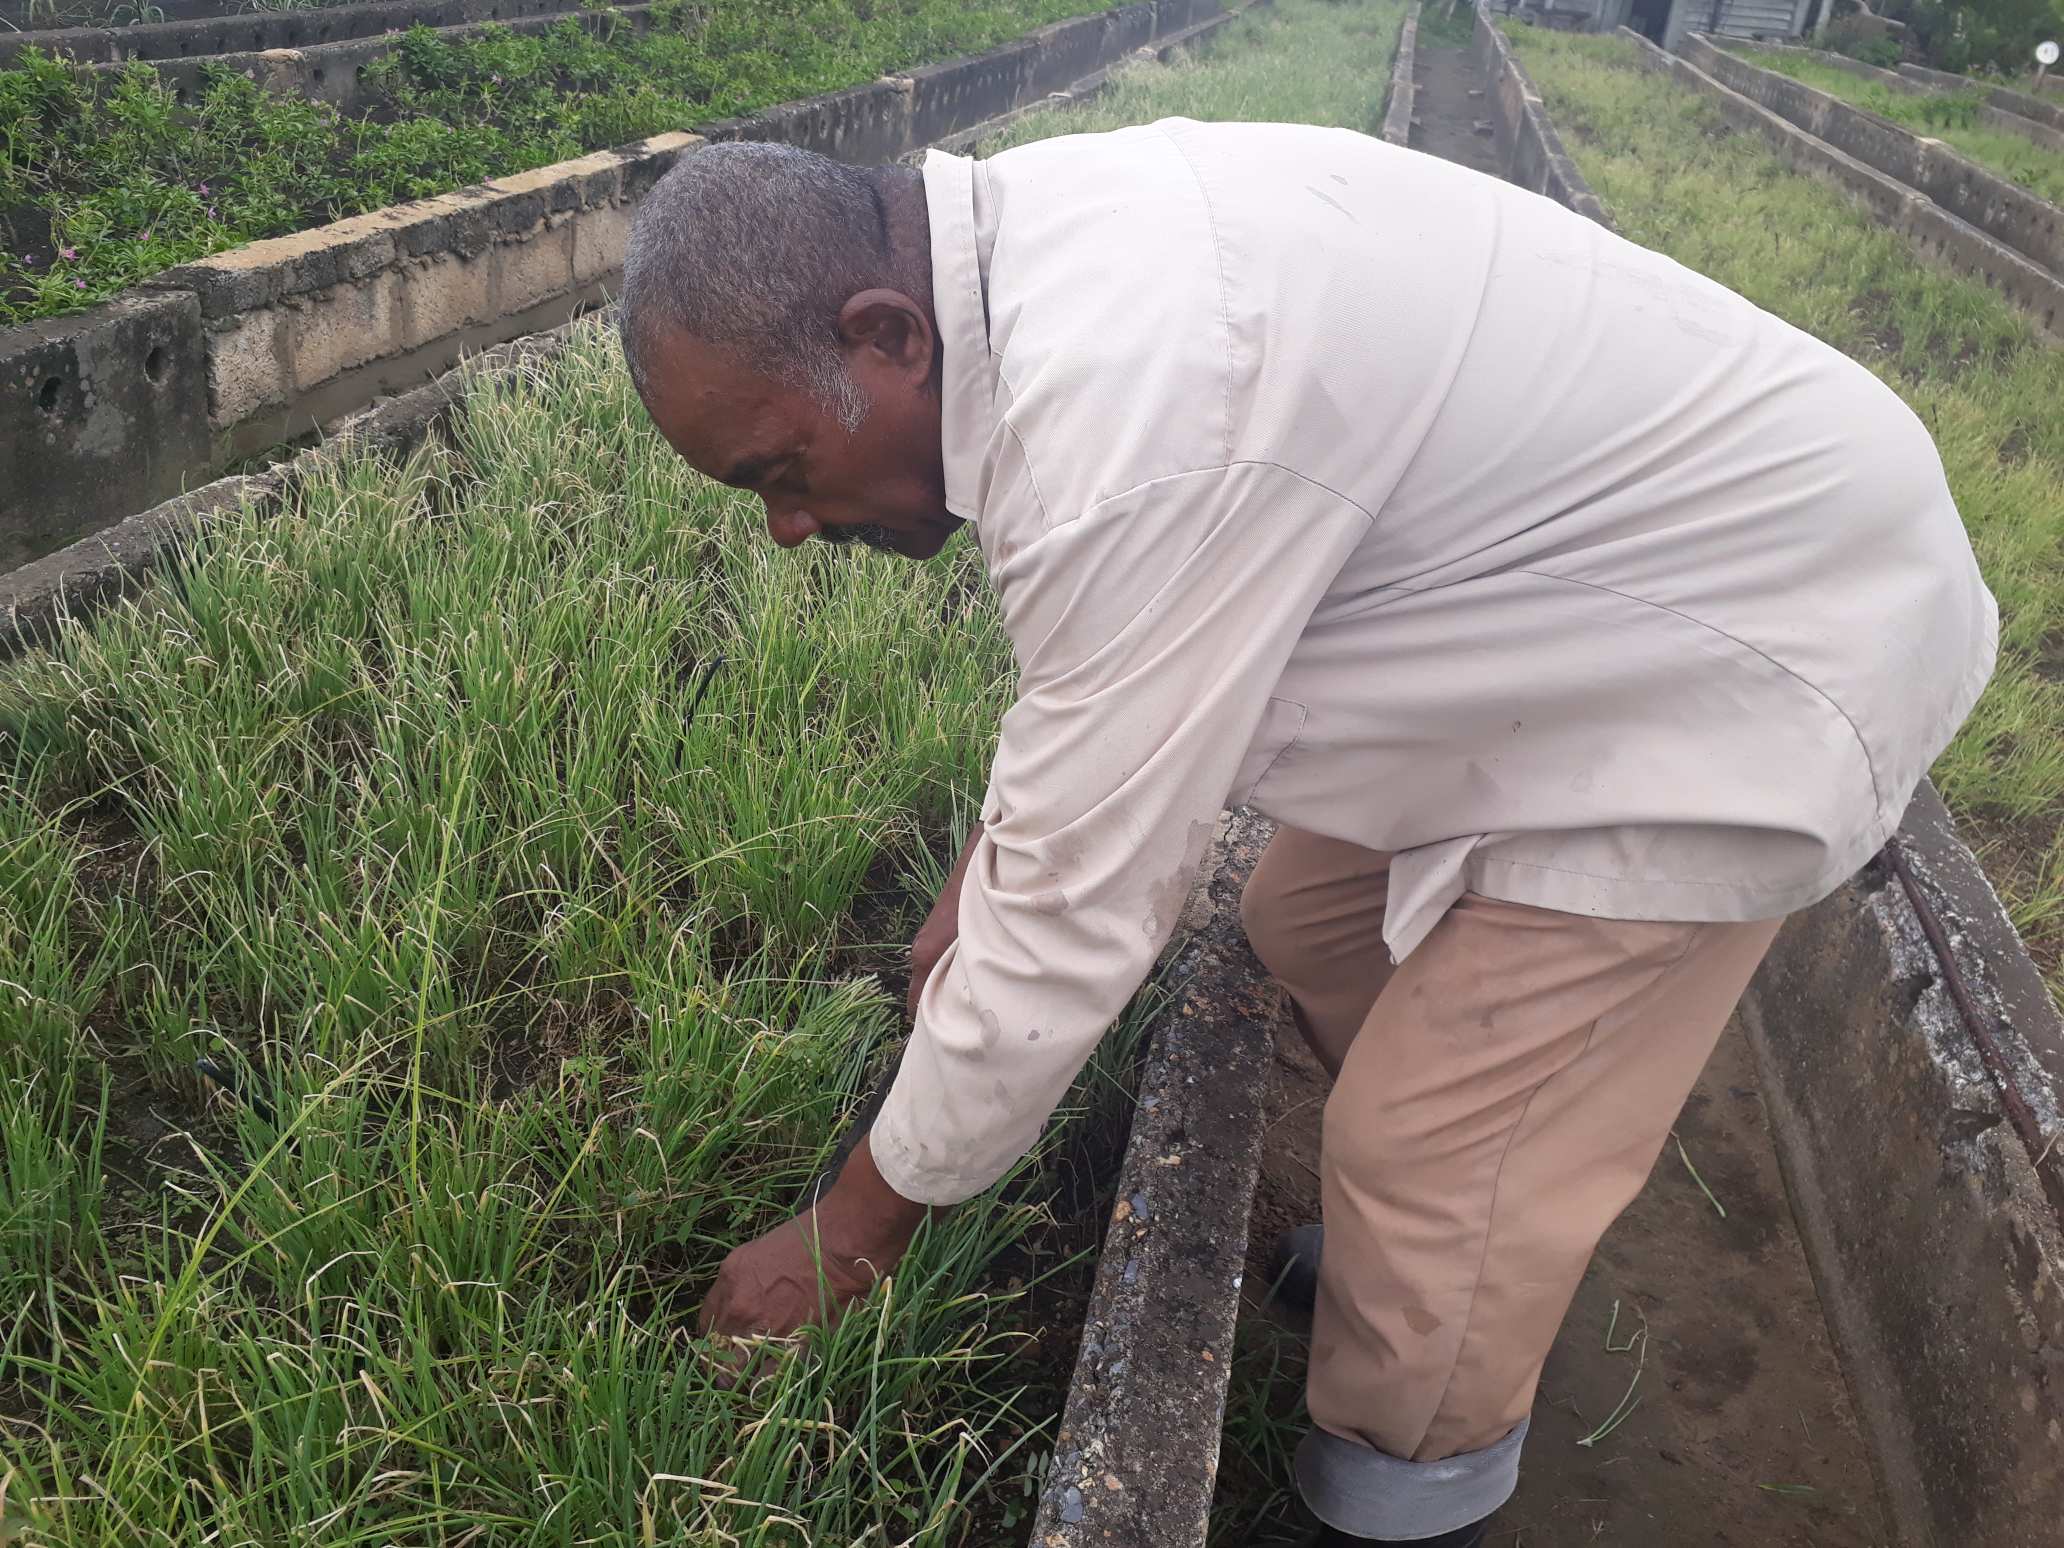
[{"x": 790, "y": 525}]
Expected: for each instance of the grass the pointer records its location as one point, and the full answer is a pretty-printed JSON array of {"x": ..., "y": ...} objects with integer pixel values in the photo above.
[
  {"x": 520, "y": 831},
  {"x": 108, "y": 180},
  {"x": 1310, "y": 61},
  {"x": 1677, "y": 178},
  {"x": 1952, "y": 117}
]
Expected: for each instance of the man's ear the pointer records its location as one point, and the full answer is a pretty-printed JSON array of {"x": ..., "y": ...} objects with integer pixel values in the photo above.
[{"x": 892, "y": 328}]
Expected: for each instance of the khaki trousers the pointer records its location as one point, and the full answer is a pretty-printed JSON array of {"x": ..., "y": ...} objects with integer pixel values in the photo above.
[{"x": 1498, "y": 1099}]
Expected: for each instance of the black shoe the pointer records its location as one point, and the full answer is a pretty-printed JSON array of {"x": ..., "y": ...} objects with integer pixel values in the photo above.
[
  {"x": 1294, "y": 1268},
  {"x": 1470, "y": 1536}
]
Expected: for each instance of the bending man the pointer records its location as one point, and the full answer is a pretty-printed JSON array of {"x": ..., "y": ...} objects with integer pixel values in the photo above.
[{"x": 1575, "y": 620}]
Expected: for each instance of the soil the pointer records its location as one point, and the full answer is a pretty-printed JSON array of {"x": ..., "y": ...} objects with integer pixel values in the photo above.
[
  {"x": 1449, "y": 115},
  {"x": 1743, "y": 1433}
]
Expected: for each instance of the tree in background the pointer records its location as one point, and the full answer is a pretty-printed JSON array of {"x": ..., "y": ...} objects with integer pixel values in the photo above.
[{"x": 1977, "y": 34}]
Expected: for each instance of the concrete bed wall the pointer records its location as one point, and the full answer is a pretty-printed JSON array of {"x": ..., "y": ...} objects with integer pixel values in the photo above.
[
  {"x": 119, "y": 407},
  {"x": 1934, "y": 231},
  {"x": 336, "y": 72},
  {"x": 1529, "y": 151},
  {"x": 39, "y": 16},
  {"x": 1913, "y": 1063},
  {"x": 2001, "y": 209},
  {"x": 238, "y": 31},
  {"x": 1992, "y": 113},
  {"x": 1397, "y": 112},
  {"x": 2025, "y": 104}
]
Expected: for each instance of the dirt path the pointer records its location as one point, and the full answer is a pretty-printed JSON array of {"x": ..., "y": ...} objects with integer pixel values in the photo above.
[
  {"x": 1742, "y": 1433},
  {"x": 1449, "y": 106}
]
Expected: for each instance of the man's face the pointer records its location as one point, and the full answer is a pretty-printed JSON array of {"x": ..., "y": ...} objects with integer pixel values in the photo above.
[{"x": 883, "y": 484}]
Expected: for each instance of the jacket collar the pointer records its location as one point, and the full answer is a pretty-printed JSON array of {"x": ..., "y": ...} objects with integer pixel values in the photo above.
[{"x": 967, "y": 419}]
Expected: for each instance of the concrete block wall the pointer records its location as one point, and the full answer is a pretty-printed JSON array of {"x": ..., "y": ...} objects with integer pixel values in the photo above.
[
  {"x": 1529, "y": 151},
  {"x": 113, "y": 401},
  {"x": 2030, "y": 225},
  {"x": 1404, "y": 89},
  {"x": 270, "y": 341}
]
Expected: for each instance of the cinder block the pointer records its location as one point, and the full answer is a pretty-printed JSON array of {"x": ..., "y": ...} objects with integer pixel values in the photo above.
[
  {"x": 101, "y": 414},
  {"x": 340, "y": 329},
  {"x": 599, "y": 240},
  {"x": 535, "y": 270},
  {"x": 441, "y": 297},
  {"x": 247, "y": 373}
]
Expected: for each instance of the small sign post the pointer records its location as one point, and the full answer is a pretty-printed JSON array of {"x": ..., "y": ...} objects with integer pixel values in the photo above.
[{"x": 2045, "y": 56}]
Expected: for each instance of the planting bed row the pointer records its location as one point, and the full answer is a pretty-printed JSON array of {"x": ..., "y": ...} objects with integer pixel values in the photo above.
[
  {"x": 105, "y": 182},
  {"x": 525, "y": 838},
  {"x": 2027, "y": 153},
  {"x": 1986, "y": 200},
  {"x": 249, "y": 30},
  {"x": 107, "y": 413}
]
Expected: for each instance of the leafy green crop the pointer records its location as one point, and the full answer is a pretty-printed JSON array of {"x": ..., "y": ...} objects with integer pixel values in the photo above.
[{"x": 104, "y": 184}]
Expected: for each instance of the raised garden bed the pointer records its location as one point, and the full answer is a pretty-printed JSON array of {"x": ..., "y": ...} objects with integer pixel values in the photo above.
[
  {"x": 527, "y": 843},
  {"x": 107, "y": 182},
  {"x": 2026, "y": 153}
]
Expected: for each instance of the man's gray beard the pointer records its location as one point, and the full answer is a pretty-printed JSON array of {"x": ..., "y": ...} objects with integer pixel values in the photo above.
[{"x": 879, "y": 538}]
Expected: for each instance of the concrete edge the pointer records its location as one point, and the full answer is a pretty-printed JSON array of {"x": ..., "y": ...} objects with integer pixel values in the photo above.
[
  {"x": 1136, "y": 1457},
  {"x": 197, "y": 37},
  {"x": 1404, "y": 89},
  {"x": 1935, "y": 233},
  {"x": 1931, "y": 1225},
  {"x": 77, "y": 581},
  {"x": 1912, "y": 1060},
  {"x": 1987, "y": 200},
  {"x": 1529, "y": 150}
]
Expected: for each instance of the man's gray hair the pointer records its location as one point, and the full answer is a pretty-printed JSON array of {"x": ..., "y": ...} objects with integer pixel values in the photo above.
[{"x": 754, "y": 248}]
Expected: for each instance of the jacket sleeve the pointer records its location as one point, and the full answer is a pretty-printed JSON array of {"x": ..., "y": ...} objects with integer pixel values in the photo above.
[{"x": 1150, "y": 632}]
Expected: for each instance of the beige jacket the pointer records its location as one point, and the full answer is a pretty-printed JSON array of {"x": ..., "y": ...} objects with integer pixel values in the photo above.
[{"x": 1413, "y": 510}]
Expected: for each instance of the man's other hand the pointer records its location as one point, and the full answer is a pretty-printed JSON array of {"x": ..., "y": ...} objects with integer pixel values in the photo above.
[
  {"x": 941, "y": 927},
  {"x": 811, "y": 1268}
]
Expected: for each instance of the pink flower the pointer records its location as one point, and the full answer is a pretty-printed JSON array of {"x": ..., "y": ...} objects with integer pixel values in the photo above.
[
  {"x": 211, "y": 213},
  {"x": 204, "y": 190},
  {"x": 78, "y": 284},
  {"x": 146, "y": 235},
  {"x": 496, "y": 79},
  {"x": 68, "y": 253}
]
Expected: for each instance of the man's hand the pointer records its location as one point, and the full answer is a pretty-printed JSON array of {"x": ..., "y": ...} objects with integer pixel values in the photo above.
[
  {"x": 813, "y": 1267},
  {"x": 942, "y": 925}
]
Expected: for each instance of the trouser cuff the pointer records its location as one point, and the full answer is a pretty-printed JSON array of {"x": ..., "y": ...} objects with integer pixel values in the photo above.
[{"x": 1364, "y": 1492}]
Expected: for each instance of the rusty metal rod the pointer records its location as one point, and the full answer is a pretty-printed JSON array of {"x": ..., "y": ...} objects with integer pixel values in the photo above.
[{"x": 2019, "y": 1113}]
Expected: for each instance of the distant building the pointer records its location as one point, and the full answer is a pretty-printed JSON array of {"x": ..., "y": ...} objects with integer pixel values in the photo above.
[{"x": 1667, "y": 21}]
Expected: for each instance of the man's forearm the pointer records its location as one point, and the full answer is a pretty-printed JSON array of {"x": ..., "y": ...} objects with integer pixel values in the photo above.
[{"x": 863, "y": 1219}]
